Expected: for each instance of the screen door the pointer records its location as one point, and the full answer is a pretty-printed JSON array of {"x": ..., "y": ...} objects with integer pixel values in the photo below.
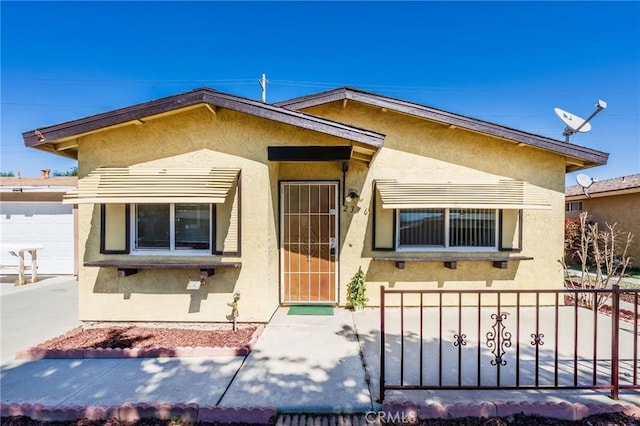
[{"x": 309, "y": 249}]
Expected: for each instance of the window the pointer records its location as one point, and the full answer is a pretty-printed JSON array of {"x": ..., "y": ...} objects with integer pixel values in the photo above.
[
  {"x": 574, "y": 206},
  {"x": 172, "y": 227},
  {"x": 438, "y": 229},
  {"x": 181, "y": 228}
]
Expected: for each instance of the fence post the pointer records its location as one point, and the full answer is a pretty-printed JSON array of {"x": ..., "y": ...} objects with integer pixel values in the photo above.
[
  {"x": 615, "y": 342},
  {"x": 382, "y": 345}
]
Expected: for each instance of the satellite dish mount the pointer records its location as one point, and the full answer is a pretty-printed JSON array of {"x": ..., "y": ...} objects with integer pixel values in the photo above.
[{"x": 575, "y": 123}]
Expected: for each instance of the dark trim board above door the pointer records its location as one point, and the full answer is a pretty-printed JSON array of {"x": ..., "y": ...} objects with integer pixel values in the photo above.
[{"x": 309, "y": 153}]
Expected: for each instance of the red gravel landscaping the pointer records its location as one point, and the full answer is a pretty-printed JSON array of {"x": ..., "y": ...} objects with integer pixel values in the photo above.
[
  {"x": 144, "y": 338},
  {"x": 134, "y": 342}
]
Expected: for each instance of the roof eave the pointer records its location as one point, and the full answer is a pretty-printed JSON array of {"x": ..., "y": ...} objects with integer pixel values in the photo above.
[
  {"x": 46, "y": 137},
  {"x": 578, "y": 157}
]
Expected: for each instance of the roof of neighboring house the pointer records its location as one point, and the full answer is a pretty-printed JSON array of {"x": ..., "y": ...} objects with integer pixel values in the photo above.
[
  {"x": 578, "y": 157},
  {"x": 60, "y": 138},
  {"x": 616, "y": 186},
  {"x": 38, "y": 184}
]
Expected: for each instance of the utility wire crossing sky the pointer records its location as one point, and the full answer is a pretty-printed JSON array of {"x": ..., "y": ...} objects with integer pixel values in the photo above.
[{"x": 510, "y": 63}]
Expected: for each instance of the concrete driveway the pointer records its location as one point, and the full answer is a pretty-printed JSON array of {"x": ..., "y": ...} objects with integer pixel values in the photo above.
[{"x": 36, "y": 312}]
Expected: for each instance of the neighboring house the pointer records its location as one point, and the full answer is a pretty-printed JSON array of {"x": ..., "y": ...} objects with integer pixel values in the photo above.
[
  {"x": 31, "y": 212},
  {"x": 610, "y": 201},
  {"x": 284, "y": 202}
]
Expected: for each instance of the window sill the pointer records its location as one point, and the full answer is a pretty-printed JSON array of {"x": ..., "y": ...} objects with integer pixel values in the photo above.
[
  {"x": 442, "y": 249},
  {"x": 128, "y": 267},
  {"x": 175, "y": 253},
  {"x": 451, "y": 262}
]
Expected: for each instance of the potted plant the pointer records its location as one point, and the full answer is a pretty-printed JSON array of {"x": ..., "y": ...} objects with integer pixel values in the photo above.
[{"x": 357, "y": 291}]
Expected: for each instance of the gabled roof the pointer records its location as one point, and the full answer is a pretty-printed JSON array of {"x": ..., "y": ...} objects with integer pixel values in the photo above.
[
  {"x": 59, "y": 138},
  {"x": 616, "y": 186},
  {"x": 578, "y": 157}
]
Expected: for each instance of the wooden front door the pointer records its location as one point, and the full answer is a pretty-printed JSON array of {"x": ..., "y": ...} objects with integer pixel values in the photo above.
[{"x": 309, "y": 243}]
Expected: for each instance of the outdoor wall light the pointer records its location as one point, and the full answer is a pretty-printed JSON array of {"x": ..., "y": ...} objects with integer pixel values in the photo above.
[{"x": 352, "y": 195}]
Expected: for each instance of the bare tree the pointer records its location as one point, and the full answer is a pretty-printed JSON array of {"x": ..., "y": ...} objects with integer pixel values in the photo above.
[{"x": 605, "y": 251}]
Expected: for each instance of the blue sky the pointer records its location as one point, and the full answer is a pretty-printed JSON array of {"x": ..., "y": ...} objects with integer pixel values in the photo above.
[{"x": 509, "y": 63}]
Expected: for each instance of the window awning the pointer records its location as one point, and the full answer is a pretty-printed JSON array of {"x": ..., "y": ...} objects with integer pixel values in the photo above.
[
  {"x": 499, "y": 194},
  {"x": 153, "y": 185}
]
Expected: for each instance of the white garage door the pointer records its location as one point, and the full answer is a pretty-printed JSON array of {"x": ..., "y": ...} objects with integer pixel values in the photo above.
[{"x": 49, "y": 224}]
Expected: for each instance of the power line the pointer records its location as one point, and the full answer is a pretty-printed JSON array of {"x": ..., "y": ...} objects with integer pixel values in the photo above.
[
  {"x": 436, "y": 88},
  {"x": 117, "y": 80},
  {"x": 318, "y": 84},
  {"x": 56, "y": 105}
]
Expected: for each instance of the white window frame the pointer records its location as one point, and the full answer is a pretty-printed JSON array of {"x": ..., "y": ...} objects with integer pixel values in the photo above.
[
  {"x": 446, "y": 247},
  {"x": 172, "y": 237},
  {"x": 571, "y": 204}
]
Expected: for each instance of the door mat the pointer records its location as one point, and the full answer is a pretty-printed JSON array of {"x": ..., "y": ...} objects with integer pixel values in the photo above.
[{"x": 310, "y": 310}]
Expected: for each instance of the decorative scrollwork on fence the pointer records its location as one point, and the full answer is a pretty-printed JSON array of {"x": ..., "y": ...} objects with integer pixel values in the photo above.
[
  {"x": 460, "y": 340},
  {"x": 537, "y": 339},
  {"x": 499, "y": 339}
]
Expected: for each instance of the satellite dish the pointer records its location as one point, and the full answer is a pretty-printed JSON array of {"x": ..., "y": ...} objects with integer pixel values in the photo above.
[
  {"x": 575, "y": 123},
  {"x": 585, "y": 181}
]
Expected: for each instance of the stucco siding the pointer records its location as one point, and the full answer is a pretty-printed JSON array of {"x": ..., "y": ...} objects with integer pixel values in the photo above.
[
  {"x": 200, "y": 139},
  {"x": 621, "y": 209},
  {"x": 420, "y": 150},
  {"x": 414, "y": 149}
]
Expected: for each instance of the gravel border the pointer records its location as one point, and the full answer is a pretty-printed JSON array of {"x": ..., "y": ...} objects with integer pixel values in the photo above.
[{"x": 131, "y": 412}]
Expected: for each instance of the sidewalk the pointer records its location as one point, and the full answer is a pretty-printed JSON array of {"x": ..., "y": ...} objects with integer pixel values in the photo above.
[{"x": 311, "y": 364}]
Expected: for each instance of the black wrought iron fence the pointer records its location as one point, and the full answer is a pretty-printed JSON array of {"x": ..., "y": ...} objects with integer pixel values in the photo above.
[{"x": 515, "y": 339}]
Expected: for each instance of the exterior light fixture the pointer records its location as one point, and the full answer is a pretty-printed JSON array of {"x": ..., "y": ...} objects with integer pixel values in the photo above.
[{"x": 351, "y": 196}]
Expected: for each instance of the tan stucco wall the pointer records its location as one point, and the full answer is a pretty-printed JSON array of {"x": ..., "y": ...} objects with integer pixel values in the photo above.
[
  {"x": 624, "y": 210},
  {"x": 195, "y": 138},
  {"x": 414, "y": 149}
]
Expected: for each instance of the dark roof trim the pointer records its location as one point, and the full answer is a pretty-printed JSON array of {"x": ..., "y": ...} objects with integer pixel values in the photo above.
[
  {"x": 56, "y": 132},
  {"x": 309, "y": 153},
  {"x": 588, "y": 155}
]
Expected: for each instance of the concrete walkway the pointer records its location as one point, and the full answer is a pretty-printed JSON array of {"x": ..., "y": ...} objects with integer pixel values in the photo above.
[
  {"x": 310, "y": 364},
  {"x": 304, "y": 363}
]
